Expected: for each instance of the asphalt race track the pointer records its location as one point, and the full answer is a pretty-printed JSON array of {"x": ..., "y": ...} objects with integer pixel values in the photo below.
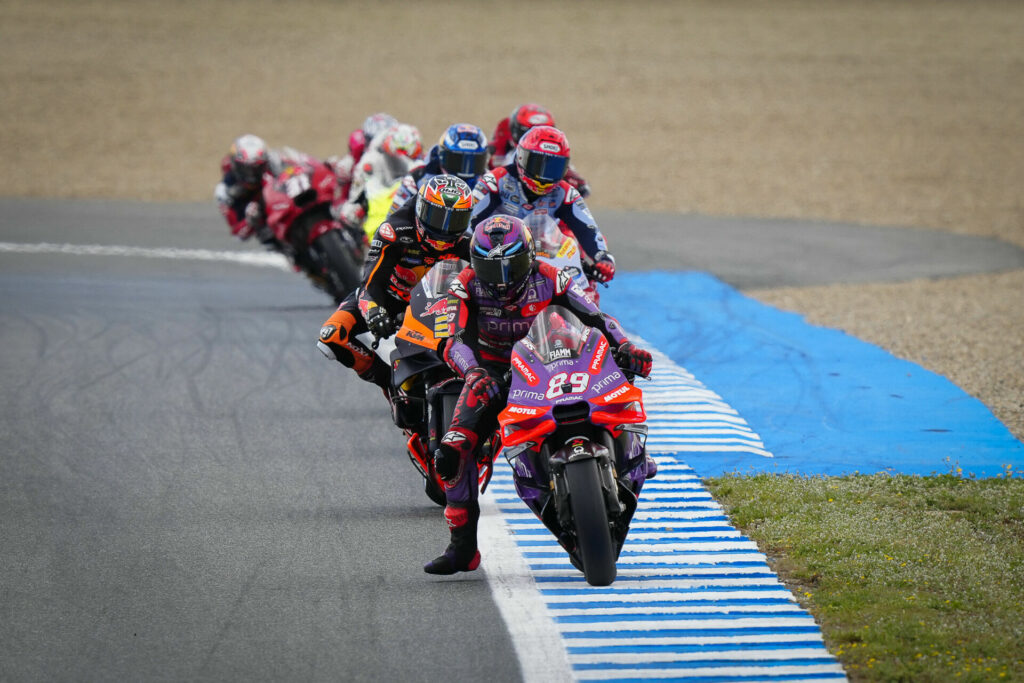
[{"x": 190, "y": 491}]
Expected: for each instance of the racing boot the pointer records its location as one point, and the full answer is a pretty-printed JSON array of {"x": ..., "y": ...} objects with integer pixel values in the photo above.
[{"x": 461, "y": 555}]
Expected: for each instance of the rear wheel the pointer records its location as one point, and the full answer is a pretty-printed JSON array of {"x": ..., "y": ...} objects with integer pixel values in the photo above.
[
  {"x": 341, "y": 270},
  {"x": 594, "y": 539}
]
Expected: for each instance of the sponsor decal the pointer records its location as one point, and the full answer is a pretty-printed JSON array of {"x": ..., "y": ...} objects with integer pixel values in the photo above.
[
  {"x": 615, "y": 394},
  {"x": 439, "y": 307},
  {"x": 564, "y": 281},
  {"x": 387, "y": 232},
  {"x": 326, "y": 331},
  {"x": 552, "y": 147},
  {"x": 413, "y": 334},
  {"x": 525, "y": 371},
  {"x": 523, "y": 410},
  {"x": 613, "y": 379},
  {"x": 558, "y": 354},
  {"x": 599, "y": 355},
  {"x": 526, "y": 394},
  {"x": 533, "y": 309},
  {"x": 456, "y": 288}
]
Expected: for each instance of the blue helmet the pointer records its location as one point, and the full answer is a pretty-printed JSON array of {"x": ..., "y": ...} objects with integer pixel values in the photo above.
[{"x": 463, "y": 151}]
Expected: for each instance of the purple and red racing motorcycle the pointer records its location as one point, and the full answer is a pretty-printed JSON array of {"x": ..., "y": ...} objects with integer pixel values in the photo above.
[{"x": 573, "y": 431}]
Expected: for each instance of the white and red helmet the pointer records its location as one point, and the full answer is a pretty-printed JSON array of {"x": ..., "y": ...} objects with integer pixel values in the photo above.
[{"x": 249, "y": 159}]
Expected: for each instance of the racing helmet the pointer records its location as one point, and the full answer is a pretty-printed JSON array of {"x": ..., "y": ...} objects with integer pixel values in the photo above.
[
  {"x": 525, "y": 117},
  {"x": 502, "y": 255},
  {"x": 444, "y": 205},
  {"x": 249, "y": 160},
  {"x": 402, "y": 149},
  {"x": 375, "y": 124},
  {"x": 542, "y": 158},
  {"x": 463, "y": 151}
]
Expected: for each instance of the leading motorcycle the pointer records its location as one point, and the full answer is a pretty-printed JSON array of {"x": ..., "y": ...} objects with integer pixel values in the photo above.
[{"x": 573, "y": 431}]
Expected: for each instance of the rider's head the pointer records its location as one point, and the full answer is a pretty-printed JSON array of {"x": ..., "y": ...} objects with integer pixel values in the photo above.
[
  {"x": 249, "y": 160},
  {"x": 443, "y": 208},
  {"x": 463, "y": 151},
  {"x": 542, "y": 158},
  {"x": 525, "y": 117},
  {"x": 402, "y": 149},
  {"x": 375, "y": 124},
  {"x": 502, "y": 255}
]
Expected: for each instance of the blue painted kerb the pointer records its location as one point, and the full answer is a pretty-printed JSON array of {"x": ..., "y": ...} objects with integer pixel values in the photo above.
[{"x": 824, "y": 402}]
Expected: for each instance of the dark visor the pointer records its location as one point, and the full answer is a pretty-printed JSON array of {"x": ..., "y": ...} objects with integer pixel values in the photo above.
[
  {"x": 545, "y": 167},
  {"x": 504, "y": 271},
  {"x": 443, "y": 223},
  {"x": 463, "y": 164}
]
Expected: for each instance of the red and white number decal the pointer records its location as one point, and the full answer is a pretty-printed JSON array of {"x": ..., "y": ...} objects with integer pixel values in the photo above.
[{"x": 578, "y": 381}]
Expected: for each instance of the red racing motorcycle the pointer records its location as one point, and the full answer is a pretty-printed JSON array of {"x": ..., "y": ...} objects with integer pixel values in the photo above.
[{"x": 298, "y": 202}]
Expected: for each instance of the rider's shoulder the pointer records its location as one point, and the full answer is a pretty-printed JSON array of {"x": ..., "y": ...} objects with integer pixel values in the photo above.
[
  {"x": 460, "y": 286},
  {"x": 549, "y": 271},
  {"x": 571, "y": 194}
]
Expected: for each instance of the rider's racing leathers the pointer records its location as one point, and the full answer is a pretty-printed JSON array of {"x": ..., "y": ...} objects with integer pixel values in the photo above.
[{"x": 398, "y": 258}]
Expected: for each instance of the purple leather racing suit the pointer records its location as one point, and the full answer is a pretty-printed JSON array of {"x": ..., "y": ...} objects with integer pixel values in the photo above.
[{"x": 483, "y": 331}]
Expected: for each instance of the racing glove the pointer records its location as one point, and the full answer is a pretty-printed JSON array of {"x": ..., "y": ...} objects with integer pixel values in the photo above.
[
  {"x": 379, "y": 322},
  {"x": 604, "y": 266},
  {"x": 481, "y": 387},
  {"x": 631, "y": 357},
  {"x": 254, "y": 217}
]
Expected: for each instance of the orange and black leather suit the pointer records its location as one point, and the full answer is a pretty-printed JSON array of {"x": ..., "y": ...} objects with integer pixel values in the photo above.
[{"x": 398, "y": 258}]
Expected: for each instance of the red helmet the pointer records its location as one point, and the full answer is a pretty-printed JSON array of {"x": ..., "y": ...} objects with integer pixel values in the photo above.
[
  {"x": 542, "y": 158},
  {"x": 249, "y": 160},
  {"x": 525, "y": 117}
]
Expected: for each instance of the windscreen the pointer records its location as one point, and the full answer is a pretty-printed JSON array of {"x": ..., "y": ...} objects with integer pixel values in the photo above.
[
  {"x": 547, "y": 237},
  {"x": 557, "y": 334},
  {"x": 435, "y": 283}
]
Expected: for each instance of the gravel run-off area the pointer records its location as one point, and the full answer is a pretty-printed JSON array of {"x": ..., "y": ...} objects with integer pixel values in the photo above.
[{"x": 907, "y": 114}]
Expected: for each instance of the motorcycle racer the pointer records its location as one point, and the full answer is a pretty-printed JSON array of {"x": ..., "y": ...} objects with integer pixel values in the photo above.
[
  {"x": 426, "y": 229},
  {"x": 239, "y": 193},
  {"x": 491, "y": 306},
  {"x": 377, "y": 175},
  {"x": 461, "y": 151},
  {"x": 534, "y": 183},
  {"x": 512, "y": 128},
  {"x": 373, "y": 126}
]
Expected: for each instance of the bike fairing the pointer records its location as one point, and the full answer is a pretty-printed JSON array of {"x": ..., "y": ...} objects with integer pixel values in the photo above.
[{"x": 569, "y": 401}]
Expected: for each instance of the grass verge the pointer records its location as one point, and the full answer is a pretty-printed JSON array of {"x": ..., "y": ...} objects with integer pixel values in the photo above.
[{"x": 911, "y": 578}]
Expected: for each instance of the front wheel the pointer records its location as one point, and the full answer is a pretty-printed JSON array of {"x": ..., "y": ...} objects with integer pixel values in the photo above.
[
  {"x": 340, "y": 269},
  {"x": 594, "y": 539}
]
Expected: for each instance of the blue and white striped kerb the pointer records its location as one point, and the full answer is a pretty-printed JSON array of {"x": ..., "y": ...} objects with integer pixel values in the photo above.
[{"x": 694, "y": 599}]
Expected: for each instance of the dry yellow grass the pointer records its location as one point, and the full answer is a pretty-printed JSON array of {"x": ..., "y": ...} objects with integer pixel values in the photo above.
[{"x": 908, "y": 113}]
